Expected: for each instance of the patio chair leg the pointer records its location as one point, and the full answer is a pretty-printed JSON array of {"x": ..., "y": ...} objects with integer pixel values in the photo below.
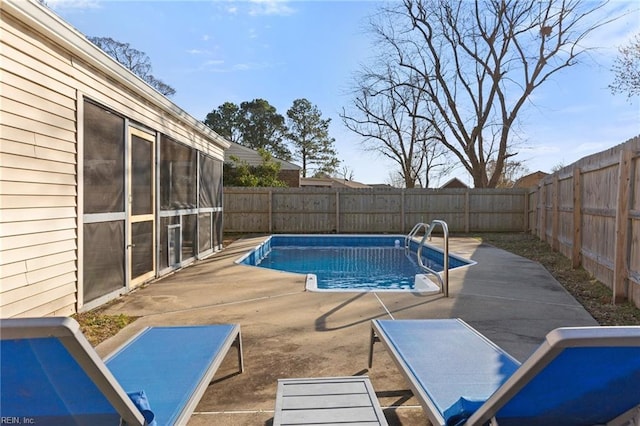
[
  {"x": 373, "y": 339},
  {"x": 238, "y": 344}
]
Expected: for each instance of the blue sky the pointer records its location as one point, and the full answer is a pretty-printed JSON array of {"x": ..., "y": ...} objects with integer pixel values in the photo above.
[{"x": 217, "y": 51}]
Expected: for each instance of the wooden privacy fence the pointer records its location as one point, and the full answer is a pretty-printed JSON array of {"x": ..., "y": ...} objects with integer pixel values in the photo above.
[
  {"x": 372, "y": 210},
  {"x": 590, "y": 212}
]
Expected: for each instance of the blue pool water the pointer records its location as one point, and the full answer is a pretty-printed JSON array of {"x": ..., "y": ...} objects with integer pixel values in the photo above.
[{"x": 346, "y": 262}]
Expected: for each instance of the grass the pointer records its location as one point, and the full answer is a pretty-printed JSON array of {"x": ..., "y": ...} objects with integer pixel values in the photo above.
[
  {"x": 98, "y": 327},
  {"x": 591, "y": 293}
]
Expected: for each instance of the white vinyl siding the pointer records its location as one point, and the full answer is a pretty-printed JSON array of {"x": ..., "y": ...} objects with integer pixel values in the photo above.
[{"x": 38, "y": 181}]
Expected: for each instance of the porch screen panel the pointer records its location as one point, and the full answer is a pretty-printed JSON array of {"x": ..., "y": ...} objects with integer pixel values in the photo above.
[
  {"x": 217, "y": 229},
  {"x": 103, "y": 162},
  {"x": 210, "y": 182},
  {"x": 189, "y": 236},
  {"x": 142, "y": 184},
  {"x": 204, "y": 232},
  {"x": 142, "y": 239},
  {"x": 217, "y": 183},
  {"x": 178, "y": 176},
  {"x": 104, "y": 268}
]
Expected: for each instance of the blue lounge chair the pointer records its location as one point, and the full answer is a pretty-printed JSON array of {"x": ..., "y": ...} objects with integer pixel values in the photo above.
[
  {"x": 578, "y": 376},
  {"x": 50, "y": 374}
]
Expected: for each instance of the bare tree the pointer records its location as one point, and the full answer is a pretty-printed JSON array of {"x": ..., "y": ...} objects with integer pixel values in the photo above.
[
  {"x": 511, "y": 172},
  {"x": 626, "y": 69},
  {"x": 558, "y": 167},
  {"x": 395, "y": 179},
  {"x": 437, "y": 163},
  {"x": 345, "y": 173},
  {"x": 136, "y": 61},
  {"x": 478, "y": 62},
  {"x": 386, "y": 112}
]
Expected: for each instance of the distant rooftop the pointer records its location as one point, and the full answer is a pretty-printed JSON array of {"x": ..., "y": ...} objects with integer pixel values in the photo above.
[
  {"x": 253, "y": 158},
  {"x": 330, "y": 182},
  {"x": 530, "y": 180},
  {"x": 454, "y": 183}
]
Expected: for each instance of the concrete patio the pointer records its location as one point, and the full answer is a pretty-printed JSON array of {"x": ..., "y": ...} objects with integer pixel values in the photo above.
[{"x": 288, "y": 332}]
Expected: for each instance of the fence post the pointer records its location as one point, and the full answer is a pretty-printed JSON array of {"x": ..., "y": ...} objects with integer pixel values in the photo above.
[
  {"x": 525, "y": 224},
  {"x": 576, "y": 249},
  {"x": 555, "y": 214},
  {"x": 467, "y": 226},
  {"x": 543, "y": 212},
  {"x": 536, "y": 226},
  {"x": 532, "y": 197},
  {"x": 337, "y": 211},
  {"x": 402, "y": 212},
  {"x": 620, "y": 268},
  {"x": 270, "y": 212}
]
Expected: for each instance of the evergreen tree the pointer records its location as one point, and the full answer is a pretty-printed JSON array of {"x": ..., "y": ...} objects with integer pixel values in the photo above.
[
  {"x": 225, "y": 121},
  {"x": 309, "y": 135},
  {"x": 262, "y": 127},
  {"x": 255, "y": 124}
]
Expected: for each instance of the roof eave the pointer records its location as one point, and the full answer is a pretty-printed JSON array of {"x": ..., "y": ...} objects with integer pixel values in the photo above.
[{"x": 46, "y": 22}]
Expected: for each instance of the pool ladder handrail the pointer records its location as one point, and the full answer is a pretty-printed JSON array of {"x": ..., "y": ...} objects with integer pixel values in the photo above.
[{"x": 444, "y": 278}]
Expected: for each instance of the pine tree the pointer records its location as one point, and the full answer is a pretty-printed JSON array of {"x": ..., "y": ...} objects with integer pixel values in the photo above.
[{"x": 309, "y": 136}]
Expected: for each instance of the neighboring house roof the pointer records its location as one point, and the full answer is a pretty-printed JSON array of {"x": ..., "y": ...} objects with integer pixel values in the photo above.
[
  {"x": 330, "y": 182},
  {"x": 252, "y": 157},
  {"x": 454, "y": 183},
  {"x": 530, "y": 180}
]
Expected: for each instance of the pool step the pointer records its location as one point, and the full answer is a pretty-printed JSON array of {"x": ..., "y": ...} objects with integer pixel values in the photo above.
[{"x": 423, "y": 284}]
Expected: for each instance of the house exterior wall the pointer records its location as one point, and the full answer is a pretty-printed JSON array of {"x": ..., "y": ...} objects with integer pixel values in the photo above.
[
  {"x": 38, "y": 270},
  {"x": 47, "y": 71}
]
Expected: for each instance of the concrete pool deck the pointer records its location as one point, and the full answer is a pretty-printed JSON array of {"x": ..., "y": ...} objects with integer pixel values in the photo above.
[{"x": 288, "y": 332}]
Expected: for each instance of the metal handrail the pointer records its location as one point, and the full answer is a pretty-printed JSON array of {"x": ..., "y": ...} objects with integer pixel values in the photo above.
[
  {"x": 445, "y": 264},
  {"x": 409, "y": 237},
  {"x": 444, "y": 281}
]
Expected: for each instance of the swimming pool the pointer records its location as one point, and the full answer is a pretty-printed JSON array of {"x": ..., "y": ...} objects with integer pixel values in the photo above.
[{"x": 352, "y": 262}]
